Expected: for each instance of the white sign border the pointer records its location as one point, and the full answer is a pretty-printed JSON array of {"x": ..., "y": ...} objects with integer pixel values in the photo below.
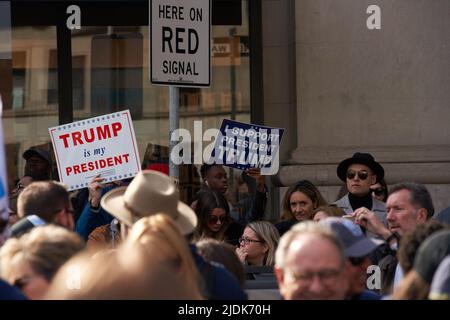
[
  {"x": 133, "y": 137},
  {"x": 175, "y": 83}
]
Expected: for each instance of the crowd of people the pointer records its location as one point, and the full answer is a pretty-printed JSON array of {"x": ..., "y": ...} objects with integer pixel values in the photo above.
[{"x": 135, "y": 238}]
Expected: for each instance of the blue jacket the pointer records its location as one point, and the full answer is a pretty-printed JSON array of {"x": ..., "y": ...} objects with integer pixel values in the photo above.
[
  {"x": 219, "y": 283},
  {"x": 367, "y": 295},
  {"x": 91, "y": 219},
  {"x": 8, "y": 292}
]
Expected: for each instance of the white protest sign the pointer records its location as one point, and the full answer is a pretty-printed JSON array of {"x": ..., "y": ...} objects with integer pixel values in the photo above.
[
  {"x": 180, "y": 38},
  {"x": 104, "y": 145}
]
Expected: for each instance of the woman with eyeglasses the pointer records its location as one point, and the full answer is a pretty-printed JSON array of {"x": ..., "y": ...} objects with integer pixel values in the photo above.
[
  {"x": 258, "y": 244},
  {"x": 298, "y": 204},
  {"x": 214, "y": 220}
]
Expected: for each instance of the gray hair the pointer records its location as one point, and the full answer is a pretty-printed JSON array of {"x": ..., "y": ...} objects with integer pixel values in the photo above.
[{"x": 306, "y": 227}]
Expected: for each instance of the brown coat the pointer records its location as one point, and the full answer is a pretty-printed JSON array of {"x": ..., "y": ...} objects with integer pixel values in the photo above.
[{"x": 101, "y": 238}]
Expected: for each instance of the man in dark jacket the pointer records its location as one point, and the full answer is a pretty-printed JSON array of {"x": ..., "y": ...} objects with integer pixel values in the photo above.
[{"x": 408, "y": 205}]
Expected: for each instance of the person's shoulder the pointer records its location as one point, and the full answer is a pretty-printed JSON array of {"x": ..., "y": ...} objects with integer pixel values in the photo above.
[
  {"x": 20, "y": 227},
  {"x": 342, "y": 202},
  {"x": 285, "y": 223},
  {"x": 284, "y": 226},
  {"x": 378, "y": 205},
  {"x": 99, "y": 233},
  {"x": 369, "y": 295},
  {"x": 226, "y": 286},
  {"x": 221, "y": 284},
  {"x": 443, "y": 216},
  {"x": 8, "y": 292}
]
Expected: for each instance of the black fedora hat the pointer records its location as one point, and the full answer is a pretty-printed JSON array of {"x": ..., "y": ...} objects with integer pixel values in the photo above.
[{"x": 361, "y": 158}]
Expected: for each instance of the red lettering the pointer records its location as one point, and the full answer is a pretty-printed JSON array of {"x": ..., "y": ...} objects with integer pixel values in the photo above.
[
  {"x": 110, "y": 162},
  {"x": 68, "y": 170},
  {"x": 76, "y": 169},
  {"x": 103, "y": 134},
  {"x": 118, "y": 160},
  {"x": 83, "y": 167},
  {"x": 91, "y": 166},
  {"x": 64, "y": 138},
  {"x": 102, "y": 163},
  {"x": 125, "y": 156},
  {"x": 76, "y": 136},
  {"x": 91, "y": 138},
  {"x": 116, "y": 127}
]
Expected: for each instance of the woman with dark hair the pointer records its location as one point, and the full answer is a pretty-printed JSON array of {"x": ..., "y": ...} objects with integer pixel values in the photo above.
[
  {"x": 379, "y": 190},
  {"x": 299, "y": 203},
  {"x": 252, "y": 208},
  {"x": 214, "y": 220}
]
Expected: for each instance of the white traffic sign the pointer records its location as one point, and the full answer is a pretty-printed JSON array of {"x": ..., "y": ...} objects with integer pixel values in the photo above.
[{"x": 180, "y": 37}]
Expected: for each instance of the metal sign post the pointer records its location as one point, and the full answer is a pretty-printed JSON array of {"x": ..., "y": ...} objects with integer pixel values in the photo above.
[
  {"x": 180, "y": 52},
  {"x": 174, "y": 123}
]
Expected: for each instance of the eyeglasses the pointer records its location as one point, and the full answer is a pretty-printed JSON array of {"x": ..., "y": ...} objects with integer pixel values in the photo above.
[
  {"x": 356, "y": 261},
  {"x": 361, "y": 174},
  {"x": 214, "y": 219},
  {"x": 247, "y": 240},
  {"x": 326, "y": 277},
  {"x": 378, "y": 191}
]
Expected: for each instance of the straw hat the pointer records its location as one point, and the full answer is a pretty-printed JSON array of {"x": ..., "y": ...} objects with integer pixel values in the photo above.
[{"x": 149, "y": 193}]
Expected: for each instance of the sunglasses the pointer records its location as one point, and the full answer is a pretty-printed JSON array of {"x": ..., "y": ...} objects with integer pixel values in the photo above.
[
  {"x": 363, "y": 175},
  {"x": 378, "y": 191},
  {"x": 356, "y": 261},
  {"x": 214, "y": 219}
]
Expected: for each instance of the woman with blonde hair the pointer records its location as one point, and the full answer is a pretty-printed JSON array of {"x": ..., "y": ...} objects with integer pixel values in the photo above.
[
  {"x": 258, "y": 244},
  {"x": 31, "y": 261},
  {"x": 160, "y": 237},
  {"x": 154, "y": 262}
]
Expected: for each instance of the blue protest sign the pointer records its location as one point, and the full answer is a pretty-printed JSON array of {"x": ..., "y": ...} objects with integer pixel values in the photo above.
[{"x": 242, "y": 146}]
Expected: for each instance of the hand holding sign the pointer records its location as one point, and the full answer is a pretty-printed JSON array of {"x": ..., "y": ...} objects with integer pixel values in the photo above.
[
  {"x": 95, "y": 191},
  {"x": 255, "y": 173},
  {"x": 103, "y": 145}
]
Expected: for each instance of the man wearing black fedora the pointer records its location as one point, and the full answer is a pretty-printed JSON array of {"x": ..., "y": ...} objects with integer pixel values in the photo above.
[{"x": 360, "y": 172}]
